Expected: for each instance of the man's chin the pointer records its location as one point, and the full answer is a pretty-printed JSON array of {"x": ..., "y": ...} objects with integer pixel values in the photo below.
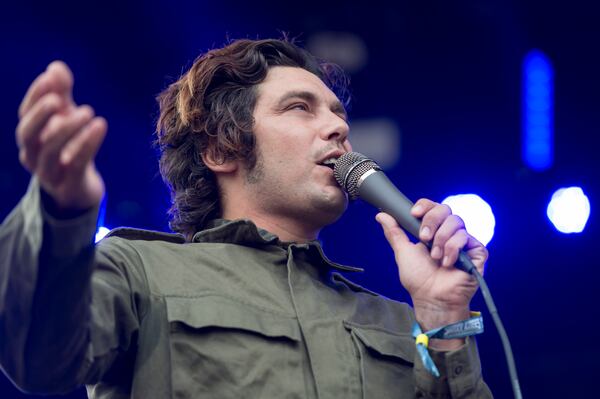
[{"x": 332, "y": 208}]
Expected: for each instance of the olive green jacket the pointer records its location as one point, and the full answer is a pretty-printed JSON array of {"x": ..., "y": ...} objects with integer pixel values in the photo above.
[{"x": 235, "y": 313}]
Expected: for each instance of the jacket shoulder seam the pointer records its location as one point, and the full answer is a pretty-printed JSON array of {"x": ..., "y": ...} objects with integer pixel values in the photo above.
[{"x": 130, "y": 233}]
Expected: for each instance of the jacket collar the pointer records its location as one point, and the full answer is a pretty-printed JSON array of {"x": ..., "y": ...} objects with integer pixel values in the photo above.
[{"x": 245, "y": 232}]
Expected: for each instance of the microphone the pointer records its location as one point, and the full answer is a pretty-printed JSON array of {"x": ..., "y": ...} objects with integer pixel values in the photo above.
[{"x": 362, "y": 178}]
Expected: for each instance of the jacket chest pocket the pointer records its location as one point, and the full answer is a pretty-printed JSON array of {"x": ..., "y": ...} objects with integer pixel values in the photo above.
[
  {"x": 224, "y": 348},
  {"x": 386, "y": 361}
]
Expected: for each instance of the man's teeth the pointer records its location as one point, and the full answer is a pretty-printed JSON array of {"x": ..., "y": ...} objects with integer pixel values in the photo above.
[{"x": 330, "y": 163}]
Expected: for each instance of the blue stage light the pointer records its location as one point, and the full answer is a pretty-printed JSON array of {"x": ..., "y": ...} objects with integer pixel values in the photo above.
[
  {"x": 476, "y": 213},
  {"x": 569, "y": 210},
  {"x": 101, "y": 232},
  {"x": 538, "y": 108}
]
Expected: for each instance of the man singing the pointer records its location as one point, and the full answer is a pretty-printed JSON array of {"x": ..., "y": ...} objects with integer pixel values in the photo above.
[{"x": 241, "y": 302}]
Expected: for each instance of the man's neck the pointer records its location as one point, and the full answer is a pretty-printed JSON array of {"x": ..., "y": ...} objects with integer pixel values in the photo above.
[{"x": 287, "y": 229}]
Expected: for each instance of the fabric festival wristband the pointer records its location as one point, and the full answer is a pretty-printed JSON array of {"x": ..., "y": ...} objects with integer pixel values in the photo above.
[{"x": 461, "y": 329}]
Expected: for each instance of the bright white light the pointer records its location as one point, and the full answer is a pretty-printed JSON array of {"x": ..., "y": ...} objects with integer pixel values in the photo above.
[
  {"x": 102, "y": 231},
  {"x": 476, "y": 213},
  {"x": 569, "y": 210}
]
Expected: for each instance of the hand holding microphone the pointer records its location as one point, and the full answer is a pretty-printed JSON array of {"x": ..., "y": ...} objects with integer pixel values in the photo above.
[{"x": 440, "y": 291}]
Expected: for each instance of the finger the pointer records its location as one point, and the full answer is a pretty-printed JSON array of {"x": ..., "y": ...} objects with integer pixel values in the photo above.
[
  {"x": 395, "y": 236},
  {"x": 31, "y": 123},
  {"x": 30, "y": 127},
  {"x": 38, "y": 88},
  {"x": 478, "y": 253},
  {"x": 68, "y": 121},
  {"x": 432, "y": 220},
  {"x": 61, "y": 80},
  {"x": 84, "y": 147},
  {"x": 450, "y": 226},
  {"x": 453, "y": 246},
  {"x": 59, "y": 130},
  {"x": 57, "y": 78},
  {"x": 421, "y": 207}
]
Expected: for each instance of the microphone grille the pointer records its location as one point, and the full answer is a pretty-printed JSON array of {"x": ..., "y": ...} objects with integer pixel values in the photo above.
[{"x": 348, "y": 170}]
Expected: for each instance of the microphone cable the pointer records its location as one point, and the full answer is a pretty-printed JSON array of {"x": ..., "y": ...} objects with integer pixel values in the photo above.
[{"x": 508, "y": 354}]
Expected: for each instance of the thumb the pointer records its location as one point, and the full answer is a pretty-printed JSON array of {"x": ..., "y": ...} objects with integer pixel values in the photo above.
[
  {"x": 61, "y": 80},
  {"x": 394, "y": 234}
]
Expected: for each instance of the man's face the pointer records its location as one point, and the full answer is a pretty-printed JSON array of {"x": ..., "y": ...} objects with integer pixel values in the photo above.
[{"x": 298, "y": 124}]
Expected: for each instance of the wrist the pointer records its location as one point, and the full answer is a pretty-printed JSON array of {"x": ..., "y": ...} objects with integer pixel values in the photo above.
[
  {"x": 54, "y": 209},
  {"x": 430, "y": 316}
]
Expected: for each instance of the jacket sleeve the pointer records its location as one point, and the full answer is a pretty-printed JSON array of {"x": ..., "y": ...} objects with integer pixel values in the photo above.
[
  {"x": 67, "y": 310},
  {"x": 460, "y": 375}
]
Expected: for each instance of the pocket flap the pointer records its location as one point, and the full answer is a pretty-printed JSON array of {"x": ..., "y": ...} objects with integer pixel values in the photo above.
[
  {"x": 385, "y": 342},
  {"x": 219, "y": 311}
]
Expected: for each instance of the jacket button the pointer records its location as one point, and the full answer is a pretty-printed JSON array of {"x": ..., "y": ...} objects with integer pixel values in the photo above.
[{"x": 458, "y": 370}]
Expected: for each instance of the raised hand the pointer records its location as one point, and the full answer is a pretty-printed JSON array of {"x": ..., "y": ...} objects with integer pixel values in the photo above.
[
  {"x": 58, "y": 140},
  {"x": 440, "y": 292}
]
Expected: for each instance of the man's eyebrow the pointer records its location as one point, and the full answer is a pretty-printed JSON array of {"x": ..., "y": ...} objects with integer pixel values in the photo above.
[{"x": 337, "y": 107}]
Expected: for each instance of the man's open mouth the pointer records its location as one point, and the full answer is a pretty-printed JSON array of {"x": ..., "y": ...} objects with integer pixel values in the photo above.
[{"x": 330, "y": 163}]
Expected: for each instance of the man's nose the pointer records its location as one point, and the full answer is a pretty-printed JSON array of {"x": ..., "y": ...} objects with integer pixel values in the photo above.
[{"x": 336, "y": 129}]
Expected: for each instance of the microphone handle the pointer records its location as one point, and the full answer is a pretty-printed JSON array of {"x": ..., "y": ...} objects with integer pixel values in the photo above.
[{"x": 380, "y": 192}]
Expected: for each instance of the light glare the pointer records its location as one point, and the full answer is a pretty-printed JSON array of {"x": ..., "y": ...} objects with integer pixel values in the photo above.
[
  {"x": 476, "y": 213},
  {"x": 569, "y": 210},
  {"x": 102, "y": 231}
]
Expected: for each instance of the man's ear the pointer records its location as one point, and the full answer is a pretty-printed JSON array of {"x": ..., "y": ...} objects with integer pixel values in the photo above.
[{"x": 219, "y": 165}]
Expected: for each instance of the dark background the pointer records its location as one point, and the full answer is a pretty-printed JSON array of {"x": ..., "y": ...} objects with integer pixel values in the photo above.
[{"x": 448, "y": 73}]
